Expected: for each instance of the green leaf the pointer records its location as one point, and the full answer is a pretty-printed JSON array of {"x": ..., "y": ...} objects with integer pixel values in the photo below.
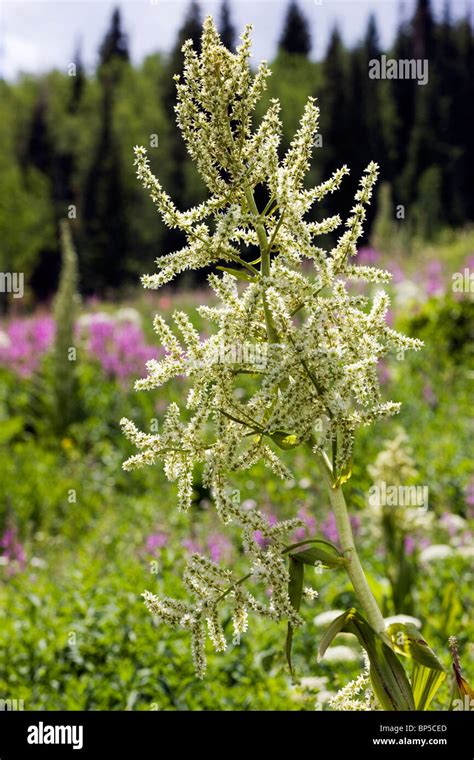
[
  {"x": 241, "y": 274},
  {"x": 428, "y": 673},
  {"x": 314, "y": 556},
  {"x": 335, "y": 627},
  {"x": 425, "y": 682},
  {"x": 408, "y": 641},
  {"x": 285, "y": 440},
  {"x": 10, "y": 428},
  {"x": 344, "y": 476},
  {"x": 388, "y": 677},
  {"x": 295, "y": 592}
]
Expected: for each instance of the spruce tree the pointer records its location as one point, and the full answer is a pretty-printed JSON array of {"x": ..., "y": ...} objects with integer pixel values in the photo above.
[
  {"x": 183, "y": 179},
  {"x": 296, "y": 37},
  {"x": 424, "y": 150},
  {"x": 403, "y": 92},
  {"x": 106, "y": 238},
  {"x": 365, "y": 133},
  {"x": 334, "y": 119},
  {"x": 462, "y": 118},
  {"x": 115, "y": 42},
  {"x": 40, "y": 154},
  {"x": 78, "y": 83},
  {"x": 226, "y": 28}
]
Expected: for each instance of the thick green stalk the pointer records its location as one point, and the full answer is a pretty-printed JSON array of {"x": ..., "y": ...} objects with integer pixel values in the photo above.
[
  {"x": 265, "y": 261},
  {"x": 353, "y": 567}
]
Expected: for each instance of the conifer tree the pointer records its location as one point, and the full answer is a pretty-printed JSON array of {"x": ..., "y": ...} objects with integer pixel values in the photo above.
[
  {"x": 226, "y": 28},
  {"x": 296, "y": 37},
  {"x": 403, "y": 93},
  {"x": 115, "y": 43},
  {"x": 183, "y": 178},
  {"x": 78, "y": 82},
  {"x": 334, "y": 118},
  {"x": 423, "y": 148},
  {"x": 40, "y": 154},
  {"x": 106, "y": 237}
]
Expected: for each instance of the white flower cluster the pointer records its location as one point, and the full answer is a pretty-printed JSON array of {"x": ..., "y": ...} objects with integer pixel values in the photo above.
[
  {"x": 348, "y": 699},
  {"x": 318, "y": 381}
]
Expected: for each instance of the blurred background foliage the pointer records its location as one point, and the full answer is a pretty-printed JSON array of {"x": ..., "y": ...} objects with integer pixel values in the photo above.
[
  {"x": 79, "y": 538},
  {"x": 66, "y": 139}
]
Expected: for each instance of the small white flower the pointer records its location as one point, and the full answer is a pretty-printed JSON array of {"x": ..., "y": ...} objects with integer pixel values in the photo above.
[
  {"x": 5, "y": 341},
  {"x": 97, "y": 317},
  {"x": 38, "y": 562},
  {"x": 406, "y": 292},
  {"x": 466, "y": 551},
  {"x": 341, "y": 654},
  {"x": 436, "y": 552},
  {"x": 325, "y": 618},
  {"x": 402, "y": 619},
  {"x": 128, "y": 314}
]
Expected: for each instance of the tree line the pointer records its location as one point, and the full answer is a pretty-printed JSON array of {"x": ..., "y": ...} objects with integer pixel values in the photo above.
[{"x": 66, "y": 140}]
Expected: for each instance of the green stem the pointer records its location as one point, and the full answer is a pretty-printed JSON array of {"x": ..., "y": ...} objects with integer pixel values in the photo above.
[
  {"x": 353, "y": 567},
  {"x": 265, "y": 261}
]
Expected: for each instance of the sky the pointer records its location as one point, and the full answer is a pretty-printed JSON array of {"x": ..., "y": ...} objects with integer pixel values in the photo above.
[{"x": 38, "y": 35}]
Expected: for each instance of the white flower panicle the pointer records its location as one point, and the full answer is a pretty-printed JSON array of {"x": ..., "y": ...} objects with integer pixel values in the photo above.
[
  {"x": 292, "y": 355},
  {"x": 348, "y": 698}
]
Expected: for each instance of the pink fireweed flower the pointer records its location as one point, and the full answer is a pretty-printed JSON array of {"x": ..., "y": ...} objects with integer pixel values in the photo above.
[
  {"x": 368, "y": 256},
  {"x": 309, "y": 528},
  {"x": 329, "y": 529},
  {"x": 191, "y": 546},
  {"x": 258, "y": 535},
  {"x": 434, "y": 284},
  {"x": 119, "y": 347},
  {"x": 429, "y": 394},
  {"x": 397, "y": 272},
  {"x": 12, "y": 551},
  {"x": 383, "y": 372},
  {"x": 25, "y": 342},
  {"x": 156, "y": 541},
  {"x": 219, "y": 546},
  {"x": 410, "y": 545},
  {"x": 469, "y": 493}
]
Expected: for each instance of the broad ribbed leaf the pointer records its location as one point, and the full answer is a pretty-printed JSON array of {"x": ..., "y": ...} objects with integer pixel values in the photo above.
[
  {"x": 425, "y": 683},
  {"x": 408, "y": 641},
  {"x": 388, "y": 677},
  {"x": 428, "y": 673},
  {"x": 315, "y": 555},
  {"x": 335, "y": 627}
]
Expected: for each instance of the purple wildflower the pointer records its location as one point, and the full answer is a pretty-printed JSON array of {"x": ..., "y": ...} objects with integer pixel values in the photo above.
[{"x": 156, "y": 541}]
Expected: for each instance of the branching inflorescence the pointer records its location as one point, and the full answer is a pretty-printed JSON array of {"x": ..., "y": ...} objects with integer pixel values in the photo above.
[{"x": 307, "y": 348}]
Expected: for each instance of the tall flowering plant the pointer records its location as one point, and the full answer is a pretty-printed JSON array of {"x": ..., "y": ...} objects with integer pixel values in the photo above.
[{"x": 306, "y": 347}]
